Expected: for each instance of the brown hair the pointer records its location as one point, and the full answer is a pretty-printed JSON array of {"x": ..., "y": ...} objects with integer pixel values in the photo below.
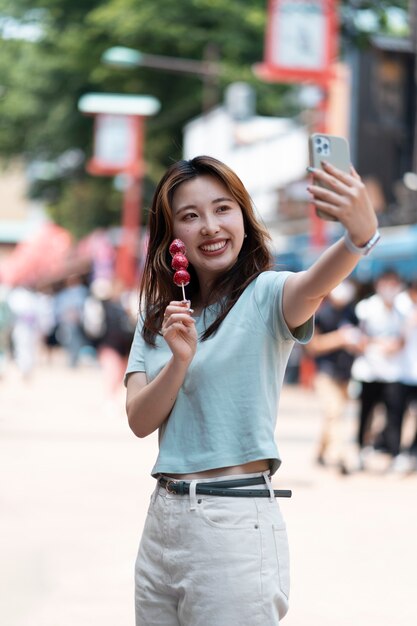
[{"x": 157, "y": 288}]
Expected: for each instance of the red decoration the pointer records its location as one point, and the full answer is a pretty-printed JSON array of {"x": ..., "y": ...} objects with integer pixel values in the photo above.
[
  {"x": 177, "y": 247},
  {"x": 179, "y": 262},
  {"x": 181, "y": 278}
]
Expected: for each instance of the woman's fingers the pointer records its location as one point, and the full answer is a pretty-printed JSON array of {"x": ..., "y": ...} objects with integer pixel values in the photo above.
[
  {"x": 324, "y": 207},
  {"x": 332, "y": 177},
  {"x": 326, "y": 195},
  {"x": 177, "y": 307},
  {"x": 178, "y": 330},
  {"x": 341, "y": 190},
  {"x": 328, "y": 201},
  {"x": 175, "y": 318}
]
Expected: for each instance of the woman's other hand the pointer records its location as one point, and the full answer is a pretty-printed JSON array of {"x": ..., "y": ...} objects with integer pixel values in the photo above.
[{"x": 179, "y": 331}]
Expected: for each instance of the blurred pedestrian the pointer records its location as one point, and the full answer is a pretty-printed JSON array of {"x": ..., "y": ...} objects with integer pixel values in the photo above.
[
  {"x": 69, "y": 305},
  {"x": 379, "y": 367},
  {"x": 108, "y": 322},
  {"x": 407, "y": 303},
  {"x": 25, "y": 333},
  {"x": 214, "y": 549},
  {"x": 336, "y": 340},
  {"x": 47, "y": 319}
]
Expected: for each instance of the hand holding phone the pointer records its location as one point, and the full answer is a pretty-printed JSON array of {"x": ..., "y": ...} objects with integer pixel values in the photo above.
[{"x": 334, "y": 150}]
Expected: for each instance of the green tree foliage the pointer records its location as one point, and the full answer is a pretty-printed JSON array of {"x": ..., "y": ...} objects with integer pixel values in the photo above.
[
  {"x": 87, "y": 204},
  {"x": 43, "y": 80},
  {"x": 42, "y": 77},
  {"x": 361, "y": 18}
]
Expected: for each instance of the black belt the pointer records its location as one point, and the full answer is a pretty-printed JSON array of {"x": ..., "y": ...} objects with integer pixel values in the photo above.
[{"x": 223, "y": 488}]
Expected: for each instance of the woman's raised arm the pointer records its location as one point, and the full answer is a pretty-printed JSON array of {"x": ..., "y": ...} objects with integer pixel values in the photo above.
[{"x": 346, "y": 199}]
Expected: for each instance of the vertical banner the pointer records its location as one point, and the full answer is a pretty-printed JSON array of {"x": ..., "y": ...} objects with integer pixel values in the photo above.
[
  {"x": 300, "y": 41},
  {"x": 118, "y": 149},
  {"x": 114, "y": 144},
  {"x": 118, "y": 146}
]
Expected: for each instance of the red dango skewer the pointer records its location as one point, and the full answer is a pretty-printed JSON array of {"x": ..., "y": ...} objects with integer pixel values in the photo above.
[
  {"x": 179, "y": 263},
  {"x": 177, "y": 247}
]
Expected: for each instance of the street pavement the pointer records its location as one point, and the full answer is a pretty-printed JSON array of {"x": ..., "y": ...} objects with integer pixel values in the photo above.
[{"x": 75, "y": 486}]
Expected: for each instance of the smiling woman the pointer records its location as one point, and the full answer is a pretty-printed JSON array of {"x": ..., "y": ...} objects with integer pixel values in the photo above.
[
  {"x": 209, "y": 378},
  {"x": 205, "y": 192}
]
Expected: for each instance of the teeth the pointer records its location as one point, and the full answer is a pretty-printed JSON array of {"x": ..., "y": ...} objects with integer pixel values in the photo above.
[{"x": 214, "y": 246}]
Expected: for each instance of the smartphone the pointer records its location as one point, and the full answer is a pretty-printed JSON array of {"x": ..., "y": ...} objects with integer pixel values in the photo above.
[{"x": 334, "y": 150}]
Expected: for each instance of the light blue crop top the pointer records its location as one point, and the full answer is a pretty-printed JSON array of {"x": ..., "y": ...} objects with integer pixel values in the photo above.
[{"x": 225, "y": 412}]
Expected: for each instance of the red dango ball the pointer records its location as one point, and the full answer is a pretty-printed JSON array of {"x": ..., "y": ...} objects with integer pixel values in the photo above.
[
  {"x": 177, "y": 247},
  {"x": 181, "y": 278},
  {"x": 179, "y": 262}
]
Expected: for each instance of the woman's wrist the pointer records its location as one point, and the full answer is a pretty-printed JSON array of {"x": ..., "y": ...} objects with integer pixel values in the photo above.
[
  {"x": 181, "y": 363},
  {"x": 365, "y": 247}
]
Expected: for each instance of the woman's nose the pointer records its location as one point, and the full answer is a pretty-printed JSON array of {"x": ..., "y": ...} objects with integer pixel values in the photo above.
[{"x": 210, "y": 226}]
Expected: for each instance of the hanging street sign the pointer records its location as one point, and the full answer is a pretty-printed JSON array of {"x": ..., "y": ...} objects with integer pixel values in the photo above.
[{"x": 300, "y": 41}]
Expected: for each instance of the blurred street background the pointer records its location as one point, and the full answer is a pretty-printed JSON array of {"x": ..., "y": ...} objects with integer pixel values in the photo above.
[
  {"x": 97, "y": 98},
  {"x": 75, "y": 487}
]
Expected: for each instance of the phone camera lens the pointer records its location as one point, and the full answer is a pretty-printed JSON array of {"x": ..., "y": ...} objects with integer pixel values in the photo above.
[
  {"x": 318, "y": 141},
  {"x": 319, "y": 150}
]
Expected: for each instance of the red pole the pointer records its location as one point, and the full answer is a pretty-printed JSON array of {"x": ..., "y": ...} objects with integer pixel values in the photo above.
[
  {"x": 126, "y": 262},
  {"x": 317, "y": 225}
]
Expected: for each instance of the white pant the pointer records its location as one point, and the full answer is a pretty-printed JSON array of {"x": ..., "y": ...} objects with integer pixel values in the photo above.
[{"x": 212, "y": 561}]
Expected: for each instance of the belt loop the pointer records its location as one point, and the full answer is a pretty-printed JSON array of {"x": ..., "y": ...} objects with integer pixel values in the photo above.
[
  {"x": 193, "y": 495},
  {"x": 269, "y": 485}
]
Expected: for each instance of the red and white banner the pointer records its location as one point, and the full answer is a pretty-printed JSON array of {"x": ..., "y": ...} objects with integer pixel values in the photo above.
[
  {"x": 117, "y": 144},
  {"x": 301, "y": 41}
]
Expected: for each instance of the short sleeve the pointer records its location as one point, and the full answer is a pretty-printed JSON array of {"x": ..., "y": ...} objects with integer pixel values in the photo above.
[
  {"x": 136, "y": 361},
  {"x": 269, "y": 297}
]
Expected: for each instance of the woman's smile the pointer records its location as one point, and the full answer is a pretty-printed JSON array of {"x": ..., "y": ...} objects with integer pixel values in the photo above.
[{"x": 214, "y": 248}]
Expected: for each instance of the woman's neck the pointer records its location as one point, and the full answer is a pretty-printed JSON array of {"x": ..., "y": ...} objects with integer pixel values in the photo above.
[
  {"x": 205, "y": 299},
  {"x": 206, "y": 296}
]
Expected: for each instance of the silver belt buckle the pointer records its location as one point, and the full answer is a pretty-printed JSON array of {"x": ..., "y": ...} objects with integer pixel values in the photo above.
[{"x": 168, "y": 487}]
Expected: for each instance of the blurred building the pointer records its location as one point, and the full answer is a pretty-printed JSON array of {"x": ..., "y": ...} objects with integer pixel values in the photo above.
[
  {"x": 383, "y": 105},
  {"x": 267, "y": 153}
]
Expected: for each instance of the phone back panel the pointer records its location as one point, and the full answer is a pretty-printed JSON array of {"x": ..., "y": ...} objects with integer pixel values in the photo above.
[{"x": 334, "y": 150}]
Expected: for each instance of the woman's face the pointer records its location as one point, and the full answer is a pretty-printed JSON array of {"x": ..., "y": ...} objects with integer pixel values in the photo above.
[{"x": 210, "y": 223}]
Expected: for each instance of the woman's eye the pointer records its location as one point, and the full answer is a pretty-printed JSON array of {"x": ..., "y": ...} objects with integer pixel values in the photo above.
[
  {"x": 224, "y": 208},
  {"x": 188, "y": 216}
]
